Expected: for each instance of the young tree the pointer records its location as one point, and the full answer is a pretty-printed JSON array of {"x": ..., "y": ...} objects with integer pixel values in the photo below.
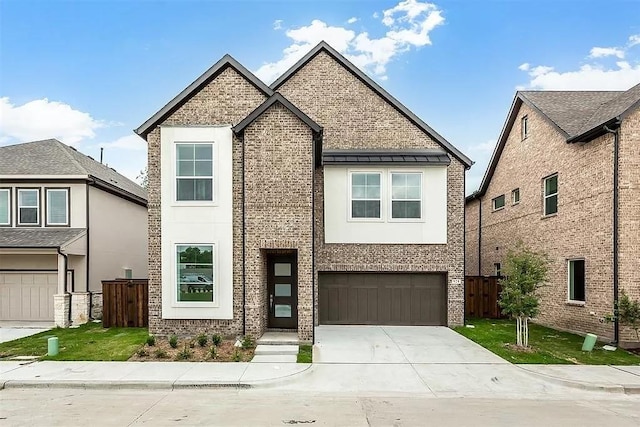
[
  {"x": 143, "y": 178},
  {"x": 524, "y": 272},
  {"x": 629, "y": 312}
]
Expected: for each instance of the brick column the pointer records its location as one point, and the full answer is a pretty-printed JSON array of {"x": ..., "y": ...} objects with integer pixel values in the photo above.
[{"x": 62, "y": 305}]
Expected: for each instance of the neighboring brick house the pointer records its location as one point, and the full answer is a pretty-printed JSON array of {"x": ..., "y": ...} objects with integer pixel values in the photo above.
[
  {"x": 67, "y": 222},
  {"x": 278, "y": 200},
  {"x": 550, "y": 184}
]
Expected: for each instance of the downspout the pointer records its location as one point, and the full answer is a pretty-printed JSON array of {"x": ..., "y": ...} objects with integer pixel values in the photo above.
[
  {"x": 479, "y": 236},
  {"x": 66, "y": 267},
  {"x": 313, "y": 240},
  {"x": 464, "y": 249},
  {"x": 244, "y": 247},
  {"x": 88, "y": 256},
  {"x": 616, "y": 322}
]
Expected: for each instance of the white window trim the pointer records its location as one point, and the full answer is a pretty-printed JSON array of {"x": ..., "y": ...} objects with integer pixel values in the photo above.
[
  {"x": 546, "y": 196},
  {"x": 214, "y": 181},
  {"x": 216, "y": 279},
  {"x": 390, "y": 193},
  {"x": 513, "y": 193},
  {"x": 382, "y": 192},
  {"x": 493, "y": 203},
  {"x": 9, "y": 216},
  {"x": 524, "y": 127},
  {"x": 38, "y": 210},
  {"x": 569, "y": 300},
  {"x": 66, "y": 206}
]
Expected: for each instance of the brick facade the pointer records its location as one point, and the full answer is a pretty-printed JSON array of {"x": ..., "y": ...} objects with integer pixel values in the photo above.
[{"x": 583, "y": 226}]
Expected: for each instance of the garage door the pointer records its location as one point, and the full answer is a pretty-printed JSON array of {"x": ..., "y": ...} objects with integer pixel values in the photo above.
[
  {"x": 27, "y": 295},
  {"x": 382, "y": 299}
]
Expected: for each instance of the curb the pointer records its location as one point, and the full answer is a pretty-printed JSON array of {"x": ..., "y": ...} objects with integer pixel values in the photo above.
[{"x": 607, "y": 388}]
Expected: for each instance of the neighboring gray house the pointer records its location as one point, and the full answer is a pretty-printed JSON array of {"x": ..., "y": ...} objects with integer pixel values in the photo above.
[{"x": 67, "y": 222}]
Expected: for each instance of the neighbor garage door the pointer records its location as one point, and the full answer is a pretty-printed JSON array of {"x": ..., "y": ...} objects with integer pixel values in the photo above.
[
  {"x": 382, "y": 299},
  {"x": 27, "y": 295}
]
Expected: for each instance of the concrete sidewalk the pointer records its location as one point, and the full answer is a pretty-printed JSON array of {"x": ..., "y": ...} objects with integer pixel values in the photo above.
[{"x": 614, "y": 379}]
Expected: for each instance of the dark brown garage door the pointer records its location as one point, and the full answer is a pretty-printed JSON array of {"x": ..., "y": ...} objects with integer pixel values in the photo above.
[{"x": 382, "y": 299}]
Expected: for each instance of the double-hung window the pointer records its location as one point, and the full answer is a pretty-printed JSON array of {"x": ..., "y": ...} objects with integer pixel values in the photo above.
[
  {"x": 365, "y": 195},
  {"x": 195, "y": 273},
  {"x": 576, "y": 280},
  {"x": 194, "y": 172},
  {"x": 5, "y": 207},
  {"x": 57, "y": 206},
  {"x": 551, "y": 195},
  {"x": 28, "y": 206},
  {"x": 406, "y": 195}
]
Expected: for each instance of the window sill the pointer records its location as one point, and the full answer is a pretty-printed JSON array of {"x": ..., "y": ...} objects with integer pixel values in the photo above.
[
  {"x": 498, "y": 209},
  {"x": 549, "y": 216},
  {"x": 514, "y": 204},
  {"x": 575, "y": 303}
]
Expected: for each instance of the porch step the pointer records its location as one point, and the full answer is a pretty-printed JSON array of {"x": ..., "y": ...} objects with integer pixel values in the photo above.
[
  {"x": 274, "y": 358},
  {"x": 276, "y": 350},
  {"x": 278, "y": 338}
]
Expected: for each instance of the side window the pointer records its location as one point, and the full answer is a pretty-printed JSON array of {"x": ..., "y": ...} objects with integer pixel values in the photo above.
[
  {"x": 498, "y": 202},
  {"x": 524, "y": 127},
  {"x": 57, "y": 206},
  {"x": 576, "y": 280},
  {"x": 5, "y": 207},
  {"x": 365, "y": 195},
  {"x": 28, "y": 206},
  {"x": 195, "y": 273},
  {"x": 515, "y": 196},
  {"x": 497, "y": 269},
  {"x": 406, "y": 195},
  {"x": 194, "y": 172},
  {"x": 551, "y": 195}
]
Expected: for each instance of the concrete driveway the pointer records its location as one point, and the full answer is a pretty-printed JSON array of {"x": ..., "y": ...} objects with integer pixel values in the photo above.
[
  {"x": 397, "y": 345},
  {"x": 10, "y": 331}
]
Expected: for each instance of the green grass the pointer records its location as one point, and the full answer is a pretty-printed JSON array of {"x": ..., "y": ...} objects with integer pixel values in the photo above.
[
  {"x": 305, "y": 354},
  {"x": 88, "y": 342},
  {"x": 548, "y": 346}
]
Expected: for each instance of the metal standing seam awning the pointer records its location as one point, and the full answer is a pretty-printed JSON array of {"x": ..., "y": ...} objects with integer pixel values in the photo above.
[{"x": 385, "y": 157}]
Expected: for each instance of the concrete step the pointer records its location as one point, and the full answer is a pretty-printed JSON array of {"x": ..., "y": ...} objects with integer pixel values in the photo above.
[
  {"x": 274, "y": 358},
  {"x": 279, "y": 338},
  {"x": 276, "y": 349}
]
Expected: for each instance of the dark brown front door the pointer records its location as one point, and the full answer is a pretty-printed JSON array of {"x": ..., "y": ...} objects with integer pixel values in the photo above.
[{"x": 282, "y": 291}]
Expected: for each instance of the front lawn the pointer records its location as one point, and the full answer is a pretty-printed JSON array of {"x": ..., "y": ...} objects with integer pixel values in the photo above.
[
  {"x": 88, "y": 342},
  {"x": 305, "y": 354},
  {"x": 548, "y": 346}
]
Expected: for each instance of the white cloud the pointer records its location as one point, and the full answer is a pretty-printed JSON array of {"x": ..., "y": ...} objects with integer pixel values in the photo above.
[
  {"x": 277, "y": 24},
  {"x": 352, "y": 20},
  {"x": 408, "y": 24},
  {"x": 599, "y": 52},
  {"x": 484, "y": 147},
  {"x": 620, "y": 75},
  {"x": 130, "y": 142},
  {"x": 43, "y": 119}
]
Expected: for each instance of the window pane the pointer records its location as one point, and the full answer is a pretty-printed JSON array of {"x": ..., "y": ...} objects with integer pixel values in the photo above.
[
  {"x": 185, "y": 190},
  {"x": 185, "y": 168},
  {"x": 4, "y": 207},
  {"x": 551, "y": 205},
  {"x": 283, "y": 290},
  {"x": 413, "y": 193},
  {"x": 203, "y": 189},
  {"x": 184, "y": 152},
  {"x": 414, "y": 179},
  {"x": 498, "y": 202},
  {"x": 406, "y": 186},
  {"x": 28, "y": 215},
  {"x": 283, "y": 310},
  {"x": 398, "y": 192},
  {"x": 551, "y": 185},
  {"x": 373, "y": 179},
  {"x": 358, "y": 179},
  {"x": 398, "y": 179},
  {"x": 576, "y": 280},
  {"x": 405, "y": 209},
  {"x": 28, "y": 198},
  {"x": 365, "y": 209},
  {"x": 57, "y": 206},
  {"x": 373, "y": 192},
  {"x": 203, "y": 152},
  {"x": 358, "y": 192},
  {"x": 282, "y": 269},
  {"x": 195, "y": 273},
  {"x": 203, "y": 168}
]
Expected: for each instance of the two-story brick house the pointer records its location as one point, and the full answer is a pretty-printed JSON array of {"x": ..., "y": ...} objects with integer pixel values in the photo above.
[
  {"x": 67, "y": 222},
  {"x": 317, "y": 199},
  {"x": 564, "y": 179}
]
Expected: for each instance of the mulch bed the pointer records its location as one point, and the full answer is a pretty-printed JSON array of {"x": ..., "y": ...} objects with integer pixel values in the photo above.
[{"x": 188, "y": 350}]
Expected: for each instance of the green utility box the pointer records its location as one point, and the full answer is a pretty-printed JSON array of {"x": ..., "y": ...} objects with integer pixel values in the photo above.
[
  {"x": 589, "y": 342},
  {"x": 52, "y": 344}
]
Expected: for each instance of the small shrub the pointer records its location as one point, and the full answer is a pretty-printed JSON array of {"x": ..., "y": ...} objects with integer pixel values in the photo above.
[
  {"x": 184, "y": 354},
  {"x": 237, "y": 357},
  {"x": 213, "y": 352},
  {"x": 248, "y": 342},
  {"x": 151, "y": 340},
  {"x": 160, "y": 354},
  {"x": 142, "y": 352},
  {"x": 192, "y": 344},
  {"x": 202, "y": 340},
  {"x": 173, "y": 341},
  {"x": 216, "y": 339}
]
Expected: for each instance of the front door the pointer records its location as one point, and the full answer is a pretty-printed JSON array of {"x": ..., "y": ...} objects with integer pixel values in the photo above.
[{"x": 282, "y": 292}]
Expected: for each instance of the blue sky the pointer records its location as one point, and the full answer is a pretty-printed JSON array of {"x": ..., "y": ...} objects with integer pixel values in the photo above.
[{"x": 88, "y": 72}]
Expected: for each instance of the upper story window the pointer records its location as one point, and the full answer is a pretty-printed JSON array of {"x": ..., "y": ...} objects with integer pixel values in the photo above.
[
  {"x": 406, "y": 195},
  {"x": 497, "y": 269},
  {"x": 195, "y": 273},
  {"x": 365, "y": 195},
  {"x": 57, "y": 206},
  {"x": 194, "y": 172},
  {"x": 498, "y": 202},
  {"x": 576, "y": 280},
  {"x": 551, "y": 195},
  {"x": 515, "y": 196},
  {"x": 28, "y": 206},
  {"x": 524, "y": 127},
  {"x": 5, "y": 206}
]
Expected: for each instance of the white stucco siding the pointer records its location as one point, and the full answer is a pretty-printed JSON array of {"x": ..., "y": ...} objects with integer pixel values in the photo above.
[
  {"x": 431, "y": 228},
  {"x": 117, "y": 238},
  {"x": 198, "y": 223}
]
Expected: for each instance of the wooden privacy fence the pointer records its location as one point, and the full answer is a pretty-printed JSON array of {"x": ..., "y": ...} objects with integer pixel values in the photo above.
[
  {"x": 125, "y": 303},
  {"x": 481, "y": 294}
]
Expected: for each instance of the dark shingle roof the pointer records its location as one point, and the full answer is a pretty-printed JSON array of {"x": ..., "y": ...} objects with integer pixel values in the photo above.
[
  {"x": 53, "y": 158},
  {"x": 38, "y": 237},
  {"x": 382, "y": 157}
]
